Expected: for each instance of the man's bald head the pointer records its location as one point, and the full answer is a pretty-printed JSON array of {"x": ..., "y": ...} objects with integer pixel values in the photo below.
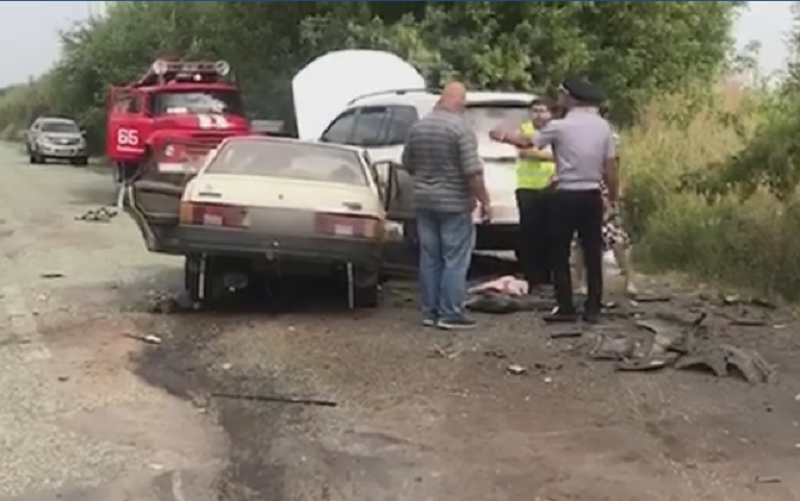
[{"x": 454, "y": 96}]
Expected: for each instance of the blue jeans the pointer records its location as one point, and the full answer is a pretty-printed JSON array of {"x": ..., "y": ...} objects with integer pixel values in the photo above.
[{"x": 446, "y": 241}]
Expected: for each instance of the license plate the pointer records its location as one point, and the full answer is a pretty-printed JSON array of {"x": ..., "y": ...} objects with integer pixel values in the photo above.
[
  {"x": 344, "y": 230},
  {"x": 212, "y": 220}
]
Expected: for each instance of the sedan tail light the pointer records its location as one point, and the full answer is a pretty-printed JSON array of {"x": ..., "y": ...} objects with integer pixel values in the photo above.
[
  {"x": 227, "y": 216},
  {"x": 338, "y": 225}
]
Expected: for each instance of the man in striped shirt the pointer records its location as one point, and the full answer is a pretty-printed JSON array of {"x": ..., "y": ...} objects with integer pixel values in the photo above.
[{"x": 441, "y": 153}]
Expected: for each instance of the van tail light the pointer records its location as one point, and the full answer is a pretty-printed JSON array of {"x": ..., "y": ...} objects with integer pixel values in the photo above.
[
  {"x": 338, "y": 225},
  {"x": 220, "y": 215}
]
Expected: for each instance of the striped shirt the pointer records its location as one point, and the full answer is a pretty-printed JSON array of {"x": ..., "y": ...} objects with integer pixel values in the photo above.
[
  {"x": 582, "y": 141},
  {"x": 441, "y": 153}
]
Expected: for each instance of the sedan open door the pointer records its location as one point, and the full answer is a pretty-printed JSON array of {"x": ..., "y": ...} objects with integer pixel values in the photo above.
[{"x": 155, "y": 195}]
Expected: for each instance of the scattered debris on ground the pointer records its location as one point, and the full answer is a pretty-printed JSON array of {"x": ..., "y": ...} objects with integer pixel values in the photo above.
[
  {"x": 149, "y": 338},
  {"x": 276, "y": 399},
  {"x": 719, "y": 358},
  {"x": 101, "y": 215},
  {"x": 673, "y": 340},
  {"x": 166, "y": 304},
  {"x": 516, "y": 370},
  {"x": 52, "y": 275}
]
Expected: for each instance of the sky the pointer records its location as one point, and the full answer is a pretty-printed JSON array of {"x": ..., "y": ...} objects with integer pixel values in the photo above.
[{"x": 29, "y": 34}]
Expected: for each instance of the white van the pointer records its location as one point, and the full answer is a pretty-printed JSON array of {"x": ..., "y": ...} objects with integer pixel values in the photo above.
[{"x": 379, "y": 122}]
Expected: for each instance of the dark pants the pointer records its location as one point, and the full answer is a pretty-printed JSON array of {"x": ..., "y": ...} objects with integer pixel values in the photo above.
[
  {"x": 578, "y": 212},
  {"x": 535, "y": 239}
]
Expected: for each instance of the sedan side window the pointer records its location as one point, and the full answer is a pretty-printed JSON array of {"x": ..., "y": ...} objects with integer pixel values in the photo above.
[
  {"x": 341, "y": 129},
  {"x": 402, "y": 118}
]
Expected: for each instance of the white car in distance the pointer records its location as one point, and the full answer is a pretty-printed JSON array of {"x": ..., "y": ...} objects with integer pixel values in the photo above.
[
  {"x": 379, "y": 123},
  {"x": 260, "y": 205}
]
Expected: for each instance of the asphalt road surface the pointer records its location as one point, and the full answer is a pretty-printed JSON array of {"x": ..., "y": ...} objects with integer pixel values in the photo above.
[{"x": 91, "y": 413}]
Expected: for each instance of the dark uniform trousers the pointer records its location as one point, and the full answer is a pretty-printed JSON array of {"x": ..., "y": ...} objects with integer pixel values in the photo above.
[
  {"x": 535, "y": 236},
  {"x": 581, "y": 213}
]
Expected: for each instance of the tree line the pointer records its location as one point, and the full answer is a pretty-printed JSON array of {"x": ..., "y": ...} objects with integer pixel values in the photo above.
[{"x": 634, "y": 49}]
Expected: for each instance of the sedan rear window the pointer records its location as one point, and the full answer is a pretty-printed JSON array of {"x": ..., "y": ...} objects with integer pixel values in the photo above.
[{"x": 288, "y": 160}]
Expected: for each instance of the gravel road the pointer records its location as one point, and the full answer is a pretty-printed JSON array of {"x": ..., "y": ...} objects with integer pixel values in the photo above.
[{"x": 92, "y": 414}]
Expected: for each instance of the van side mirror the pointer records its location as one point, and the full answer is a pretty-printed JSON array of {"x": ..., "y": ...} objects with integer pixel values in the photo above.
[{"x": 83, "y": 132}]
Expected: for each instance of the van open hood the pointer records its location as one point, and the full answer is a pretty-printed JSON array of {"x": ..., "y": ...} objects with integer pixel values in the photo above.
[{"x": 324, "y": 86}]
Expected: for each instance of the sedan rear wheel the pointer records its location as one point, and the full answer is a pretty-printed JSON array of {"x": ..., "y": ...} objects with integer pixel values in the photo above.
[
  {"x": 201, "y": 280},
  {"x": 367, "y": 297}
]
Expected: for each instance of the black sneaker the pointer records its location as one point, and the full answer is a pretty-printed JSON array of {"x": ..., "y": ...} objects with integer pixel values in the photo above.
[
  {"x": 456, "y": 324},
  {"x": 560, "y": 316},
  {"x": 591, "y": 317}
]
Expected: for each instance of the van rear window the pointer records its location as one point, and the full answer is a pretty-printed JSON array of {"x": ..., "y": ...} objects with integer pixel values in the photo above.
[{"x": 485, "y": 117}]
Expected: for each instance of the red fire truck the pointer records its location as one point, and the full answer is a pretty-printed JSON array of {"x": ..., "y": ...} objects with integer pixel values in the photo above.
[{"x": 176, "y": 110}]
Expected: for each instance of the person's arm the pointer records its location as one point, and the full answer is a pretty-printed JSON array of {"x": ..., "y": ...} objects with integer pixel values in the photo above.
[
  {"x": 545, "y": 154},
  {"x": 611, "y": 169},
  {"x": 471, "y": 165},
  {"x": 513, "y": 138}
]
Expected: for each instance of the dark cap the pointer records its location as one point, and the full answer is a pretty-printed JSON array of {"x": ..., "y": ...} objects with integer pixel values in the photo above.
[{"x": 583, "y": 90}]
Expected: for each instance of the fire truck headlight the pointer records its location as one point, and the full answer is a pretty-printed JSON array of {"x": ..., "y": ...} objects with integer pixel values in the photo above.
[{"x": 222, "y": 67}]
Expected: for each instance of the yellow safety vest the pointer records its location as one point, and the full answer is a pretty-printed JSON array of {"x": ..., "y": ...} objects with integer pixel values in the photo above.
[{"x": 533, "y": 174}]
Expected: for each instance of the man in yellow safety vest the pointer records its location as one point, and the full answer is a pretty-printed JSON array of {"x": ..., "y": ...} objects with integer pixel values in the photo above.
[{"x": 535, "y": 170}]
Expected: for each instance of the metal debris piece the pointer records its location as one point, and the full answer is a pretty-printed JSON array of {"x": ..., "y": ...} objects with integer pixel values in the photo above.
[
  {"x": 149, "y": 338},
  {"x": 167, "y": 304},
  {"x": 612, "y": 347},
  {"x": 276, "y": 399},
  {"x": 52, "y": 275},
  {"x": 718, "y": 358},
  {"x": 748, "y": 322},
  {"x": 692, "y": 321},
  {"x": 665, "y": 336},
  {"x": 730, "y": 299},
  {"x": 643, "y": 364},
  {"x": 768, "y": 480},
  {"x": 101, "y": 215},
  {"x": 763, "y": 303},
  {"x": 516, "y": 370},
  {"x": 499, "y": 354},
  {"x": 651, "y": 298},
  {"x": 571, "y": 333},
  {"x": 448, "y": 351}
]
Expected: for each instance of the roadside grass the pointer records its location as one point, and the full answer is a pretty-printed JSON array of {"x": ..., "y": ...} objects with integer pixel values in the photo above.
[{"x": 749, "y": 242}]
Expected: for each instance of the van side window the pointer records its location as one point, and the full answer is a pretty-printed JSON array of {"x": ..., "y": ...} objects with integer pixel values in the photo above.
[
  {"x": 341, "y": 129},
  {"x": 369, "y": 126},
  {"x": 402, "y": 118}
]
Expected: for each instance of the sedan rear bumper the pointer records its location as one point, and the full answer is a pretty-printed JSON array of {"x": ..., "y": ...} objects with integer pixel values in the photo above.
[{"x": 276, "y": 248}]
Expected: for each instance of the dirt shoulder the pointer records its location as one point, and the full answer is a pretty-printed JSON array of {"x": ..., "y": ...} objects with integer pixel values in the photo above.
[{"x": 424, "y": 414}]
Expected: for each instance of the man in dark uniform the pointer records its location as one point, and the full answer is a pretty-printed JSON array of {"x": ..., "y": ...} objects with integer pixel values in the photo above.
[{"x": 583, "y": 144}]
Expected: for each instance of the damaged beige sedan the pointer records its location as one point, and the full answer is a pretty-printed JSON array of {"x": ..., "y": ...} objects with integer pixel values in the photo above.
[{"x": 261, "y": 206}]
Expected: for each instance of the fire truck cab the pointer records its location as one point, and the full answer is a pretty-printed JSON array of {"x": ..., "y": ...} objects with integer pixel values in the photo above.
[{"x": 176, "y": 110}]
